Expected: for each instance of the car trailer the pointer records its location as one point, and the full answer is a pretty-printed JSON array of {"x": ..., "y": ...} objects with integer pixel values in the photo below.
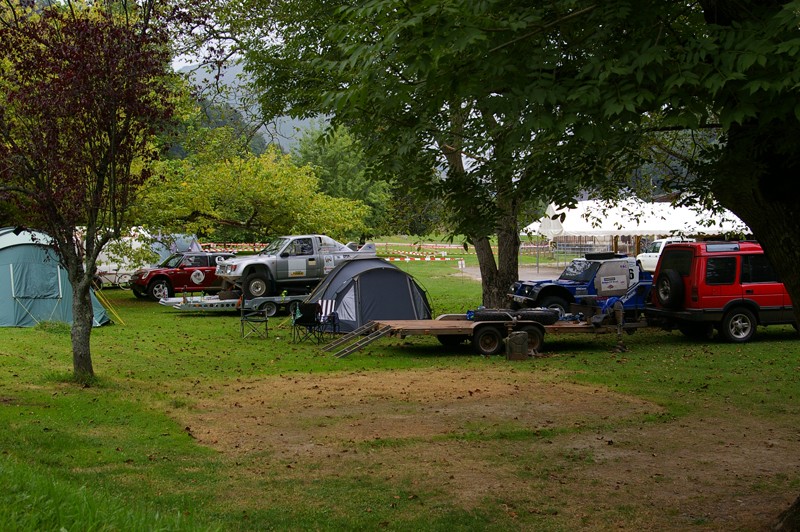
[
  {"x": 213, "y": 303},
  {"x": 487, "y": 337}
]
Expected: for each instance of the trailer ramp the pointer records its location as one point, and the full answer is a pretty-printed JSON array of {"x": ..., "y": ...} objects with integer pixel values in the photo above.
[{"x": 355, "y": 340}]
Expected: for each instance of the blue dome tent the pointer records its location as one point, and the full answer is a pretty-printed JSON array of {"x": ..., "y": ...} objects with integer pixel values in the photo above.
[{"x": 33, "y": 285}]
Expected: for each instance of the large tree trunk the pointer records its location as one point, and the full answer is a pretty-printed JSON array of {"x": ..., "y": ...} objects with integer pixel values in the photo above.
[
  {"x": 758, "y": 178},
  {"x": 762, "y": 189},
  {"x": 498, "y": 276}
]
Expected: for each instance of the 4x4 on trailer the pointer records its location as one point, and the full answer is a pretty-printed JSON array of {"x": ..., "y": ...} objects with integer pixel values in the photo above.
[
  {"x": 180, "y": 272},
  {"x": 290, "y": 264},
  {"x": 581, "y": 282},
  {"x": 728, "y": 285}
]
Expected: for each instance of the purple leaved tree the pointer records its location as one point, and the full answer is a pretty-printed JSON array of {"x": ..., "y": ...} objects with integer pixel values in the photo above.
[{"x": 83, "y": 90}]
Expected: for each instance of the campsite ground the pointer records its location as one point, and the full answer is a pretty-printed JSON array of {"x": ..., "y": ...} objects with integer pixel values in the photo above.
[
  {"x": 190, "y": 418},
  {"x": 573, "y": 456}
]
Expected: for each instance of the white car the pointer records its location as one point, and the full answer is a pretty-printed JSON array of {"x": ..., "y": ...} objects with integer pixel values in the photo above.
[{"x": 648, "y": 258}]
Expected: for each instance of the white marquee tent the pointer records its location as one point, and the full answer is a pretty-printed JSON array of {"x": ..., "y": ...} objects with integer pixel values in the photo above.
[{"x": 633, "y": 218}]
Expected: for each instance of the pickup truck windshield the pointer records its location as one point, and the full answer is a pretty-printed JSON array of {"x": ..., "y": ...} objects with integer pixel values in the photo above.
[
  {"x": 580, "y": 270},
  {"x": 652, "y": 247},
  {"x": 274, "y": 247}
]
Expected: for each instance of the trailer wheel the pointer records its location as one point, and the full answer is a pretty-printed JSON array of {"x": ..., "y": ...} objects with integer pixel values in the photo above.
[
  {"x": 488, "y": 340},
  {"x": 293, "y": 306},
  {"x": 535, "y": 338},
  {"x": 269, "y": 308}
]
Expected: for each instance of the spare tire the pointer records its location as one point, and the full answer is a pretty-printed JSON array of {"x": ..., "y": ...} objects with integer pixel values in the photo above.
[
  {"x": 544, "y": 316},
  {"x": 669, "y": 289}
]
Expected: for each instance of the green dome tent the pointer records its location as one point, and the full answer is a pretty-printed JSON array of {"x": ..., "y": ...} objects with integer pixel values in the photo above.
[{"x": 33, "y": 285}]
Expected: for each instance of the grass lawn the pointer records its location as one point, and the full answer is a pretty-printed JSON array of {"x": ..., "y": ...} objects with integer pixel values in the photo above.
[{"x": 192, "y": 427}]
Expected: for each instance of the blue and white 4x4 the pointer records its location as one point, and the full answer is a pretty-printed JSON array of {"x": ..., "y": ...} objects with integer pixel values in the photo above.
[{"x": 588, "y": 281}]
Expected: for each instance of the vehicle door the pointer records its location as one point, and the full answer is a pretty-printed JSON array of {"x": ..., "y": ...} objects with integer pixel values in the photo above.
[
  {"x": 720, "y": 284},
  {"x": 297, "y": 261},
  {"x": 330, "y": 253},
  {"x": 760, "y": 283},
  {"x": 194, "y": 273}
]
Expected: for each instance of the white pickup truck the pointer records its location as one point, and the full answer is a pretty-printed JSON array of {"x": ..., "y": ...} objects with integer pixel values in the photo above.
[
  {"x": 289, "y": 264},
  {"x": 648, "y": 258}
]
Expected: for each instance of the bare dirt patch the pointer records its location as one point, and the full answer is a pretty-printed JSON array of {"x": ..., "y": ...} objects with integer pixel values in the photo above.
[{"x": 509, "y": 440}]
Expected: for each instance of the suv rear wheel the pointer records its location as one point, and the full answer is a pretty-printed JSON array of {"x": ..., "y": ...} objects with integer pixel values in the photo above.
[
  {"x": 669, "y": 289},
  {"x": 738, "y": 325}
]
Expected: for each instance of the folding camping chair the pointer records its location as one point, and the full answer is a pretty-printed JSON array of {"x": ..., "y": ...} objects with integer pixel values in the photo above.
[
  {"x": 328, "y": 319},
  {"x": 305, "y": 322},
  {"x": 253, "y": 321}
]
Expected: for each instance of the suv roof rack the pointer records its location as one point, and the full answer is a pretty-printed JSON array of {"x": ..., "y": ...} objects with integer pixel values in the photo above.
[
  {"x": 604, "y": 255},
  {"x": 722, "y": 247}
]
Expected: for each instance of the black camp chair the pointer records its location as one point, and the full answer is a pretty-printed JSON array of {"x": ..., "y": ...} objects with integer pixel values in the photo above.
[
  {"x": 315, "y": 321},
  {"x": 253, "y": 321},
  {"x": 305, "y": 322},
  {"x": 328, "y": 319}
]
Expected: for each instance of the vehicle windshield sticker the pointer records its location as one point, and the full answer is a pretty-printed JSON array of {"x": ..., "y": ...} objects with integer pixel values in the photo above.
[
  {"x": 297, "y": 267},
  {"x": 198, "y": 276}
]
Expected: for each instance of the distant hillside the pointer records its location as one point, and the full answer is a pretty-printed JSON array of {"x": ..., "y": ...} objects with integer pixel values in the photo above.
[{"x": 283, "y": 132}]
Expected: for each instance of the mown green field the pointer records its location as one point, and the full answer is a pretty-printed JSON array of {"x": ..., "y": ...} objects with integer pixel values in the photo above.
[{"x": 121, "y": 455}]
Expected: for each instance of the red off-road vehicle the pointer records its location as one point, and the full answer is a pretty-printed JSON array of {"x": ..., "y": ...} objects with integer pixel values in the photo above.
[
  {"x": 181, "y": 272},
  {"x": 730, "y": 286}
]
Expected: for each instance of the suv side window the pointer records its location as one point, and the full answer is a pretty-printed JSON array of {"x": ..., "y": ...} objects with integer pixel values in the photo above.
[
  {"x": 679, "y": 260},
  {"x": 721, "y": 270},
  {"x": 757, "y": 269},
  {"x": 195, "y": 261},
  {"x": 301, "y": 246}
]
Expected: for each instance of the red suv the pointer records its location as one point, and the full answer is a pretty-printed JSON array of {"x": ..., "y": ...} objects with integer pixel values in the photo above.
[
  {"x": 727, "y": 285},
  {"x": 181, "y": 272}
]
